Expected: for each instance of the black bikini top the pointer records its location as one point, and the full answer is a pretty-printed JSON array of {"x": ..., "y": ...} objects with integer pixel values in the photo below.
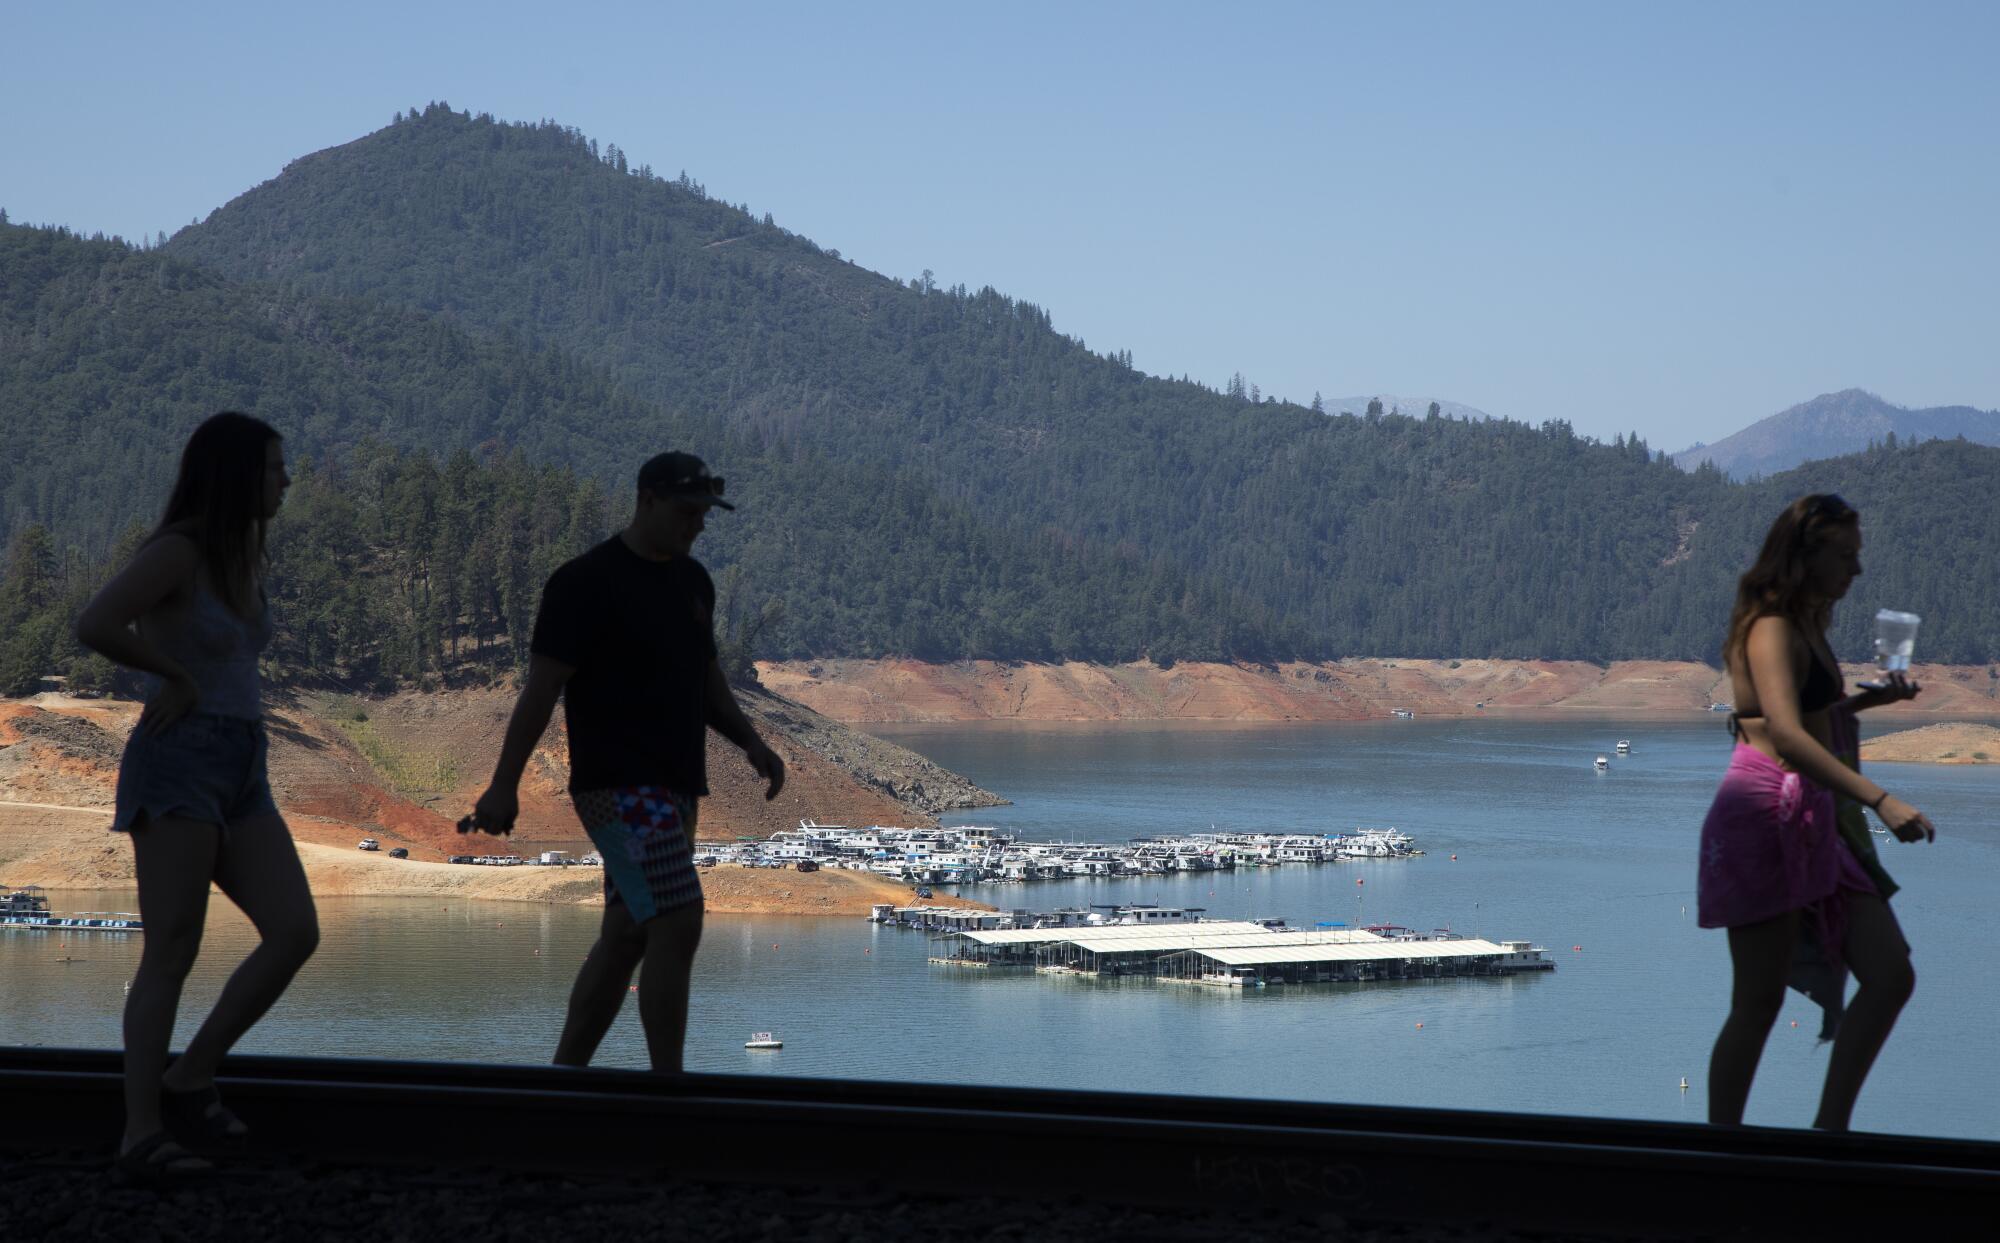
[{"x": 1823, "y": 686}]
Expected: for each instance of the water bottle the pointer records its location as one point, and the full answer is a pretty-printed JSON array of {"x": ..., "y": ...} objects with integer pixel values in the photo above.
[{"x": 1895, "y": 640}]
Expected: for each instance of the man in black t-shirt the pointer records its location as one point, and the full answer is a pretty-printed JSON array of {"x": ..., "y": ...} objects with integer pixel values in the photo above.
[{"x": 626, "y": 637}]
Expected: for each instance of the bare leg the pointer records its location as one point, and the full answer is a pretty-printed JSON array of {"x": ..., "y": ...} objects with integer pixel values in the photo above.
[
  {"x": 1880, "y": 960},
  {"x": 1761, "y": 955},
  {"x": 671, "y": 940},
  {"x": 258, "y": 868},
  {"x": 173, "y": 860},
  {"x": 599, "y": 991}
]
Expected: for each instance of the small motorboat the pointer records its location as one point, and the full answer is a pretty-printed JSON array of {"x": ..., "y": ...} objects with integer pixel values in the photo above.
[
  {"x": 1624, "y": 746},
  {"x": 763, "y": 1040},
  {"x": 1602, "y": 763}
]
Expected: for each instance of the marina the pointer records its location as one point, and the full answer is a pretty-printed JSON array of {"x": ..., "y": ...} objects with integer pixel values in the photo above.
[
  {"x": 26, "y": 908},
  {"x": 972, "y": 854}
]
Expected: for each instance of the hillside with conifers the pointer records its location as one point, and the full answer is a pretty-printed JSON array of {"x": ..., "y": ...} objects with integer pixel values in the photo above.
[{"x": 471, "y": 332}]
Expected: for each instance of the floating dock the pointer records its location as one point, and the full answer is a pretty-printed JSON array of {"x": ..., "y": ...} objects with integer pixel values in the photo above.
[
  {"x": 1236, "y": 953},
  {"x": 27, "y": 908}
]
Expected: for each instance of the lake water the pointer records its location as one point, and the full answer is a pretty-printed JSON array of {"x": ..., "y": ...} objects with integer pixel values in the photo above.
[{"x": 1597, "y": 867}]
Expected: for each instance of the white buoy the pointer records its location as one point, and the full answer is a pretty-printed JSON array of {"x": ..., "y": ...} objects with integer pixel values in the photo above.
[{"x": 1684, "y": 1083}]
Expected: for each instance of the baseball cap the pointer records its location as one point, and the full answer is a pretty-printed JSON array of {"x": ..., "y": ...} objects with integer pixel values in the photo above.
[{"x": 684, "y": 477}]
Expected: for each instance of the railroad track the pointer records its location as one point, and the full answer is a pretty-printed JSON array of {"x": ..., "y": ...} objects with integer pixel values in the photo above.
[{"x": 1365, "y": 1163}]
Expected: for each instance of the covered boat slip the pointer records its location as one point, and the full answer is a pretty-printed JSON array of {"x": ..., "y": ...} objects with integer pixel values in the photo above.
[
  {"x": 1026, "y": 947},
  {"x": 1239, "y": 952},
  {"x": 1254, "y": 965}
]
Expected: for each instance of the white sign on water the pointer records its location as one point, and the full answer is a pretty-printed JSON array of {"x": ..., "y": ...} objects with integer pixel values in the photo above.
[{"x": 1895, "y": 639}]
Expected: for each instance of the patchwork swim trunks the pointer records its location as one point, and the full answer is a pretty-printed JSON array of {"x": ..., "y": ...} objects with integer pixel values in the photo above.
[{"x": 646, "y": 835}]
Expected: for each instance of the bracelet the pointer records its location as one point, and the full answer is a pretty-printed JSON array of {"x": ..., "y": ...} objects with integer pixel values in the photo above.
[{"x": 1876, "y": 806}]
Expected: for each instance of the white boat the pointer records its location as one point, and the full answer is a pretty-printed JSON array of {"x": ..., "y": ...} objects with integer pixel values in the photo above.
[
  {"x": 763, "y": 1040},
  {"x": 1624, "y": 746},
  {"x": 1402, "y": 714},
  {"x": 1602, "y": 762}
]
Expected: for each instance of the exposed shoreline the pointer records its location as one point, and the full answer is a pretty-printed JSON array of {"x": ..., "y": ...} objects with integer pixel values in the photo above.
[
  {"x": 1952, "y": 742},
  {"x": 907, "y": 692}
]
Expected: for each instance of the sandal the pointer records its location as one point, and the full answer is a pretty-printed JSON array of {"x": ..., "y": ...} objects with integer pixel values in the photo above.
[
  {"x": 157, "y": 1161},
  {"x": 199, "y": 1117}
]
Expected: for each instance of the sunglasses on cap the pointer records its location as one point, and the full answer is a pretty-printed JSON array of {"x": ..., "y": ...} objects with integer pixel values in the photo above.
[{"x": 699, "y": 485}]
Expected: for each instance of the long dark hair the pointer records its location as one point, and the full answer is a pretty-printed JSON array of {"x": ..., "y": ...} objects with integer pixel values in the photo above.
[
  {"x": 1777, "y": 585},
  {"x": 218, "y": 502}
]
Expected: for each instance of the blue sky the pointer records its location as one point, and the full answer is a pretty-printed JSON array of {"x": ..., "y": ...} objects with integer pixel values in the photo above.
[{"x": 1675, "y": 219}]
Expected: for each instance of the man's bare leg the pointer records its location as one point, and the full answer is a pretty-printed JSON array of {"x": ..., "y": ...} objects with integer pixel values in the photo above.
[
  {"x": 600, "y": 987},
  {"x": 671, "y": 941}
]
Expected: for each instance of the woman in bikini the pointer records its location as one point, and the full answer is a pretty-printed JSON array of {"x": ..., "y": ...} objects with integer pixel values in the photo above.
[
  {"x": 192, "y": 790},
  {"x": 1773, "y": 865}
]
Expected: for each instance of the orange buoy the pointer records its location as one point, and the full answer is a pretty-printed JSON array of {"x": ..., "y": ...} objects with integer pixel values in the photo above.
[
  {"x": 1420, "y": 1027},
  {"x": 1577, "y": 948},
  {"x": 1795, "y": 1022},
  {"x": 867, "y": 951},
  {"x": 1359, "y": 881}
]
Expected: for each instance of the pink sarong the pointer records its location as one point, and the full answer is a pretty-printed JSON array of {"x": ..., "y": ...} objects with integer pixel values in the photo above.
[{"x": 1771, "y": 844}]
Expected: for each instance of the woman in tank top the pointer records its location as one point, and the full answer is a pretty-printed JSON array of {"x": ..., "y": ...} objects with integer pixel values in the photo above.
[
  {"x": 1773, "y": 866},
  {"x": 192, "y": 791}
]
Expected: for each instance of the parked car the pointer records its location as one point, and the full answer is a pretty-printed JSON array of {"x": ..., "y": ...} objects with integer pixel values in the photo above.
[
  {"x": 459, "y": 859},
  {"x": 399, "y": 852},
  {"x": 369, "y": 843},
  {"x": 808, "y": 865}
]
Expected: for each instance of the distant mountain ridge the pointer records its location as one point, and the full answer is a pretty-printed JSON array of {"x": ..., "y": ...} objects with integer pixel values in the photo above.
[{"x": 1834, "y": 424}]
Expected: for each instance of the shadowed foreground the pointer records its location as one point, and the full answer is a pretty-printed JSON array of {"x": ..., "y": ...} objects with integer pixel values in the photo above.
[{"x": 385, "y": 1150}]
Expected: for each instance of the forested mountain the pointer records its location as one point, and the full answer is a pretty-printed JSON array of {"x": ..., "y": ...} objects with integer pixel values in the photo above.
[
  {"x": 922, "y": 471},
  {"x": 1836, "y": 423}
]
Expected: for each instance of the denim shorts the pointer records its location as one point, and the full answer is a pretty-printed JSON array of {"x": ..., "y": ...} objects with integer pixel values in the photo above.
[{"x": 202, "y": 767}]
